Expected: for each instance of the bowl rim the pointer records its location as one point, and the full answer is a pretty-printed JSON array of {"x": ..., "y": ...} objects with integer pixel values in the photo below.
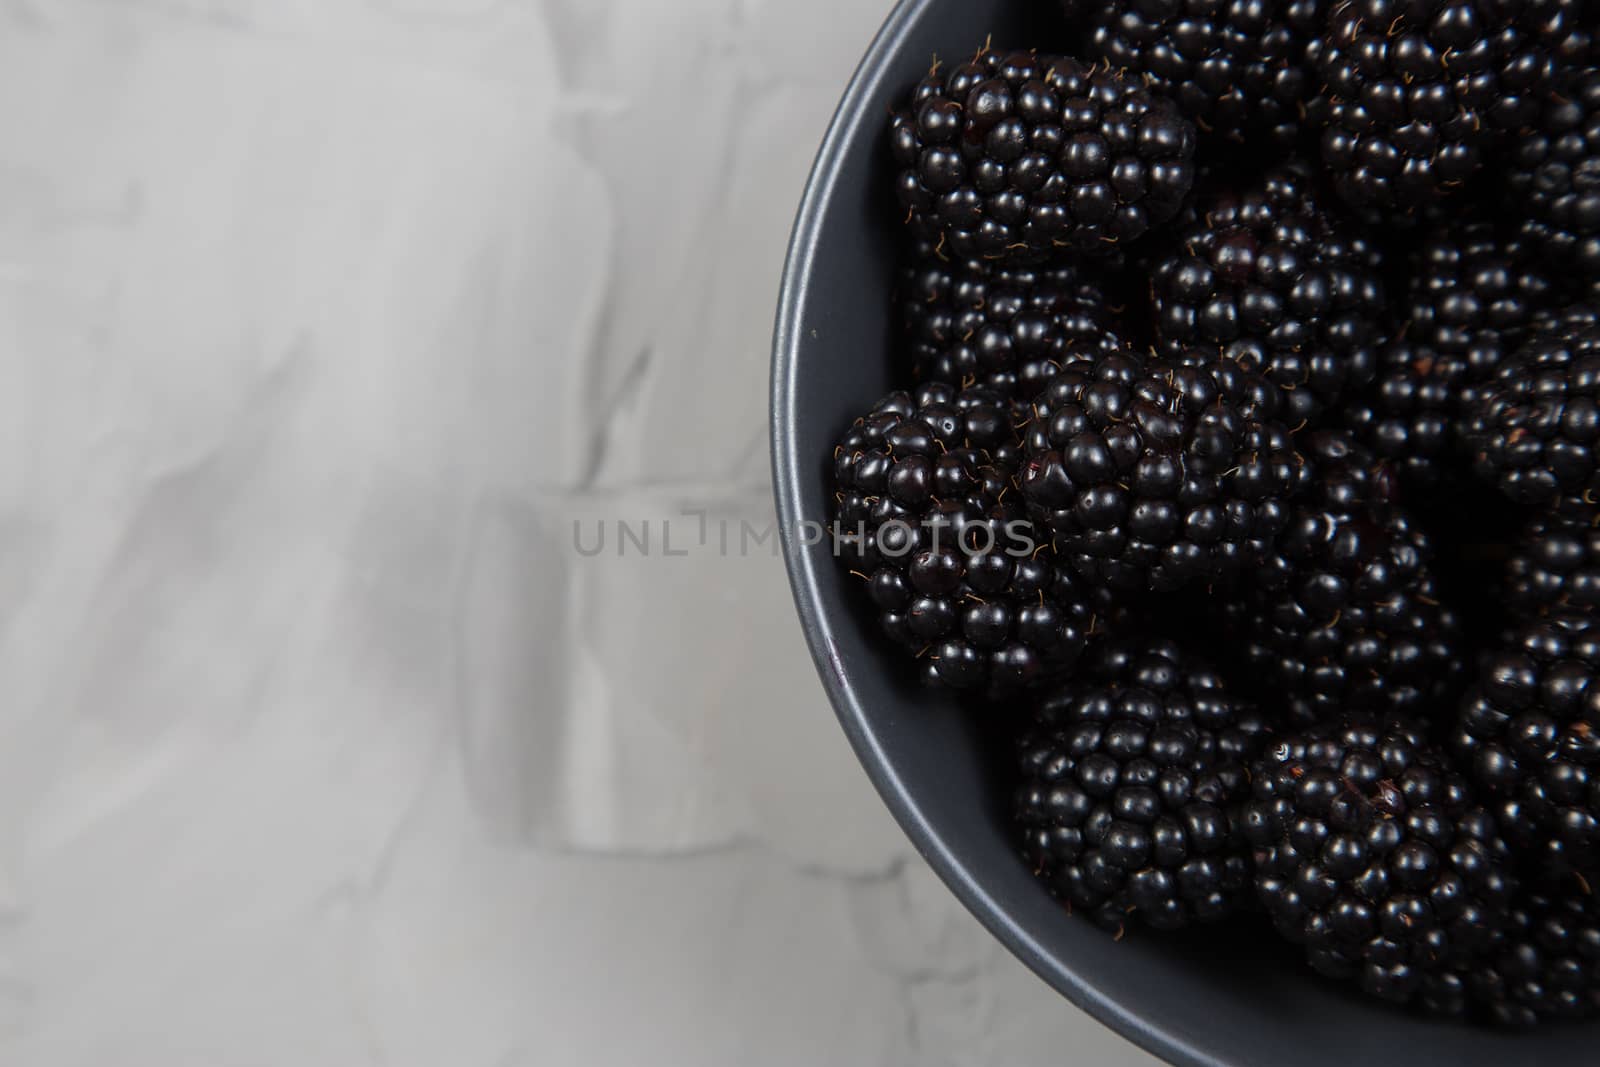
[{"x": 856, "y": 107}]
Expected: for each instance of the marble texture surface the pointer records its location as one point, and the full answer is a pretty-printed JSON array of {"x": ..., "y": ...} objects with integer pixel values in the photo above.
[{"x": 321, "y": 324}]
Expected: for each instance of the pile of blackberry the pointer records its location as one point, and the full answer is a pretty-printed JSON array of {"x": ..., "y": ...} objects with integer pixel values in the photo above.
[{"x": 1243, "y": 474}]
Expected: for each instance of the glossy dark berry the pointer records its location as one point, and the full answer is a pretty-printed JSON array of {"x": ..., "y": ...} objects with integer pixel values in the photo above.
[
  {"x": 1237, "y": 68},
  {"x": 1529, "y": 734},
  {"x": 931, "y": 521},
  {"x": 1563, "y": 30},
  {"x": 1345, "y": 614},
  {"x": 1534, "y": 428},
  {"x": 1020, "y": 157},
  {"x": 1408, "y": 418},
  {"x": 1548, "y": 967},
  {"x": 1370, "y": 853},
  {"x": 1415, "y": 92},
  {"x": 1571, "y": 319},
  {"x": 1010, "y": 328},
  {"x": 1555, "y": 565},
  {"x": 1475, "y": 290},
  {"x": 1150, "y": 475},
  {"x": 1472, "y": 296},
  {"x": 1554, "y": 176},
  {"x": 1269, "y": 278},
  {"x": 1130, "y": 773}
]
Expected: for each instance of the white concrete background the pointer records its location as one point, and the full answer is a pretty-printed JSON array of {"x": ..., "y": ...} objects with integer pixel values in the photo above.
[{"x": 320, "y": 321}]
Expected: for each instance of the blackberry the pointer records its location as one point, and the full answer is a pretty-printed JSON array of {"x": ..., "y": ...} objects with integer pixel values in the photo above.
[
  {"x": 1548, "y": 967},
  {"x": 1555, "y": 176},
  {"x": 1006, "y": 327},
  {"x": 1150, "y": 475},
  {"x": 1529, "y": 733},
  {"x": 1023, "y": 156},
  {"x": 1370, "y": 854},
  {"x": 1345, "y": 615},
  {"x": 1408, "y": 419},
  {"x": 1534, "y": 427},
  {"x": 1472, "y": 297},
  {"x": 1234, "y": 68},
  {"x": 1269, "y": 278},
  {"x": 1414, "y": 92},
  {"x": 1555, "y": 565},
  {"x": 1475, "y": 293},
  {"x": 928, "y": 514},
  {"x": 1129, "y": 775}
]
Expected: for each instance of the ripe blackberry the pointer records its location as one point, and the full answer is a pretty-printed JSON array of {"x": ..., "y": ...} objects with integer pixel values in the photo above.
[
  {"x": 1370, "y": 854},
  {"x": 1472, "y": 297},
  {"x": 1129, "y": 773},
  {"x": 1344, "y": 616},
  {"x": 1022, "y": 156},
  {"x": 1414, "y": 92},
  {"x": 929, "y": 515},
  {"x": 1407, "y": 419},
  {"x": 1150, "y": 475},
  {"x": 1534, "y": 427},
  {"x": 1555, "y": 176},
  {"x": 1548, "y": 967},
  {"x": 1555, "y": 566},
  {"x": 1475, "y": 293},
  {"x": 1234, "y": 68},
  {"x": 1010, "y": 328},
  {"x": 1529, "y": 734},
  {"x": 1268, "y": 278}
]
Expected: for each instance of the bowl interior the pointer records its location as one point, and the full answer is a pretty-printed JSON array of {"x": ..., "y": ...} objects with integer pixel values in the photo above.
[{"x": 1204, "y": 997}]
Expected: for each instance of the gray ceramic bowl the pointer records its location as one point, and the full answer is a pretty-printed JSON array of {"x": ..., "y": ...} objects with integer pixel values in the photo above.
[{"x": 1199, "y": 998}]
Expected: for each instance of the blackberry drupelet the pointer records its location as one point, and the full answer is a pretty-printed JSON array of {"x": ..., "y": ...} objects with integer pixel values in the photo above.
[
  {"x": 1149, "y": 475},
  {"x": 1534, "y": 428},
  {"x": 1472, "y": 297},
  {"x": 1414, "y": 93},
  {"x": 1529, "y": 734},
  {"x": 1369, "y": 853},
  {"x": 1565, "y": 31},
  {"x": 1548, "y": 968},
  {"x": 1554, "y": 176},
  {"x": 1269, "y": 278},
  {"x": 1022, "y": 156},
  {"x": 930, "y": 517},
  {"x": 1555, "y": 565},
  {"x": 1572, "y": 318},
  {"x": 1345, "y": 614},
  {"x": 1129, "y": 775},
  {"x": 1234, "y": 68},
  {"x": 1010, "y": 328}
]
